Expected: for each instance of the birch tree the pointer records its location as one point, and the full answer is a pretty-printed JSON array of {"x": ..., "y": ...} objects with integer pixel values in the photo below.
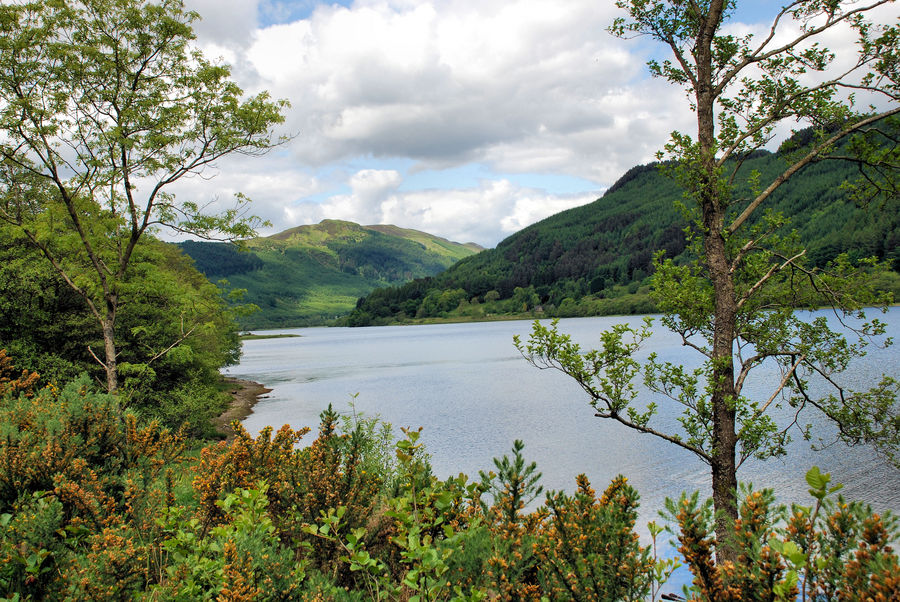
[{"x": 104, "y": 104}]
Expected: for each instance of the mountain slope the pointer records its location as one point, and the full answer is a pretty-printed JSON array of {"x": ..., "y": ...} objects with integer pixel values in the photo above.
[
  {"x": 588, "y": 260},
  {"x": 311, "y": 273}
]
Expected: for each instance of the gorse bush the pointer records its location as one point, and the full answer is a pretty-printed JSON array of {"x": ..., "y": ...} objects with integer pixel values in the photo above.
[
  {"x": 11, "y": 382},
  {"x": 302, "y": 483},
  {"x": 98, "y": 503},
  {"x": 588, "y": 549},
  {"x": 81, "y": 483},
  {"x": 79, "y": 444},
  {"x": 833, "y": 550}
]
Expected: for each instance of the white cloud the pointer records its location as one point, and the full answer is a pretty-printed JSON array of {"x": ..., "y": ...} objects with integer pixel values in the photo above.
[
  {"x": 445, "y": 83},
  {"x": 484, "y": 214},
  {"x": 514, "y": 86},
  {"x": 270, "y": 181},
  {"x": 224, "y": 22}
]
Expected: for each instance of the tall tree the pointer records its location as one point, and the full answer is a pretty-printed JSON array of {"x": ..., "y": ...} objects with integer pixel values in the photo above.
[
  {"x": 103, "y": 105},
  {"x": 734, "y": 304}
]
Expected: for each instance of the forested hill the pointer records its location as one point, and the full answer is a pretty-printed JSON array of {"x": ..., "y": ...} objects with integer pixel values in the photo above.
[
  {"x": 311, "y": 273},
  {"x": 594, "y": 259}
]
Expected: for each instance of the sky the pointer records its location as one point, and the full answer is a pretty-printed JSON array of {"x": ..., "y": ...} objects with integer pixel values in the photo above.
[{"x": 469, "y": 119}]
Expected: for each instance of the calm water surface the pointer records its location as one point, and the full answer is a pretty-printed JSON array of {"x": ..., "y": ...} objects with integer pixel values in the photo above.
[{"x": 471, "y": 391}]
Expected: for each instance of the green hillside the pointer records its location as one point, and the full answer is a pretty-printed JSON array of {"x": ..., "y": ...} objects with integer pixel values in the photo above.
[
  {"x": 595, "y": 259},
  {"x": 308, "y": 274}
]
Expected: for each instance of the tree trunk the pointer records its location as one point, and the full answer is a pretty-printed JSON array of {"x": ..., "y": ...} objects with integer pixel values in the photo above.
[
  {"x": 724, "y": 479},
  {"x": 109, "y": 345},
  {"x": 713, "y": 208},
  {"x": 724, "y": 468}
]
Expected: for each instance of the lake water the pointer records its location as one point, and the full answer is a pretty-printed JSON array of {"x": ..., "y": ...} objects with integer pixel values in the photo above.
[{"x": 474, "y": 394}]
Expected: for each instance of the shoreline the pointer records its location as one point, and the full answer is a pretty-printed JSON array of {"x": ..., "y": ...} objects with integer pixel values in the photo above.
[{"x": 244, "y": 395}]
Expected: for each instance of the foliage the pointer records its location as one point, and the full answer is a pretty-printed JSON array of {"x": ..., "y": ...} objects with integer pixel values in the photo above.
[
  {"x": 514, "y": 486},
  {"x": 588, "y": 549},
  {"x": 12, "y": 382},
  {"x": 98, "y": 504},
  {"x": 302, "y": 483},
  {"x": 732, "y": 298},
  {"x": 834, "y": 550},
  {"x": 242, "y": 559},
  {"x": 48, "y": 327},
  {"x": 80, "y": 487},
  {"x": 42, "y": 321},
  {"x": 103, "y": 105},
  {"x": 510, "y": 559}
]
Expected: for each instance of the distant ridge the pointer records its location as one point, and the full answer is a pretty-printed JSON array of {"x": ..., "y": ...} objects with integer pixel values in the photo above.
[
  {"x": 422, "y": 236},
  {"x": 311, "y": 273}
]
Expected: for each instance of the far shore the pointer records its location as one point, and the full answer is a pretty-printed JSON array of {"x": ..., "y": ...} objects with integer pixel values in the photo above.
[
  {"x": 244, "y": 395},
  {"x": 252, "y": 336}
]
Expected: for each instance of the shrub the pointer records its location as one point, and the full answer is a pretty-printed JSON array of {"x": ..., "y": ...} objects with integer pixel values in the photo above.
[
  {"x": 510, "y": 570},
  {"x": 76, "y": 443},
  {"x": 90, "y": 509},
  {"x": 834, "y": 550},
  {"x": 80, "y": 486},
  {"x": 587, "y": 548},
  {"x": 303, "y": 483},
  {"x": 242, "y": 559},
  {"x": 13, "y": 382}
]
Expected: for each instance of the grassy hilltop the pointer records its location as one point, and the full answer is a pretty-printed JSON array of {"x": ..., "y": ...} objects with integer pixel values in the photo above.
[{"x": 312, "y": 273}]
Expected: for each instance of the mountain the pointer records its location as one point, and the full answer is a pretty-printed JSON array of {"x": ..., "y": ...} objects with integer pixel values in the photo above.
[
  {"x": 595, "y": 259},
  {"x": 308, "y": 274}
]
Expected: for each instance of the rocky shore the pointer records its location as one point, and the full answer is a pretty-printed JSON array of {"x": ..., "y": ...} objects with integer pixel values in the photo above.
[{"x": 244, "y": 395}]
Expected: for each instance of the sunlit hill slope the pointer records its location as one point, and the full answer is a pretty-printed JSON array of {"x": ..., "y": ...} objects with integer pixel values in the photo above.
[{"x": 311, "y": 273}]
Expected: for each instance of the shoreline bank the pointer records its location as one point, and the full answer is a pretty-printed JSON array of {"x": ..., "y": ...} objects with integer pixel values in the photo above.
[{"x": 244, "y": 395}]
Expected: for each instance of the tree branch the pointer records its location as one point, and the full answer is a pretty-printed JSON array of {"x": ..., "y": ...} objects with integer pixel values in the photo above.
[
  {"x": 787, "y": 376},
  {"x": 797, "y": 166},
  {"x": 773, "y": 270},
  {"x": 760, "y": 54},
  {"x": 94, "y": 355},
  {"x": 177, "y": 342},
  {"x": 650, "y": 431}
]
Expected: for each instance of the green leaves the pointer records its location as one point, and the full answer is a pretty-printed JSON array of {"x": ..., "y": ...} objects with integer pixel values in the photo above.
[
  {"x": 609, "y": 375},
  {"x": 734, "y": 301},
  {"x": 605, "y": 374},
  {"x": 515, "y": 485},
  {"x": 103, "y": 105},
  {"x": 818, "y": 483}
]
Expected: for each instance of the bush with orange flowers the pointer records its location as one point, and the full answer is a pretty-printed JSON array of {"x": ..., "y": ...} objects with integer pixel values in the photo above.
[
  {"x": 81, "y": 483},
  {"x": 97, "y": 503},
  {"x": 587, "y": 548},
  {"x": 833, "y": 550}
]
